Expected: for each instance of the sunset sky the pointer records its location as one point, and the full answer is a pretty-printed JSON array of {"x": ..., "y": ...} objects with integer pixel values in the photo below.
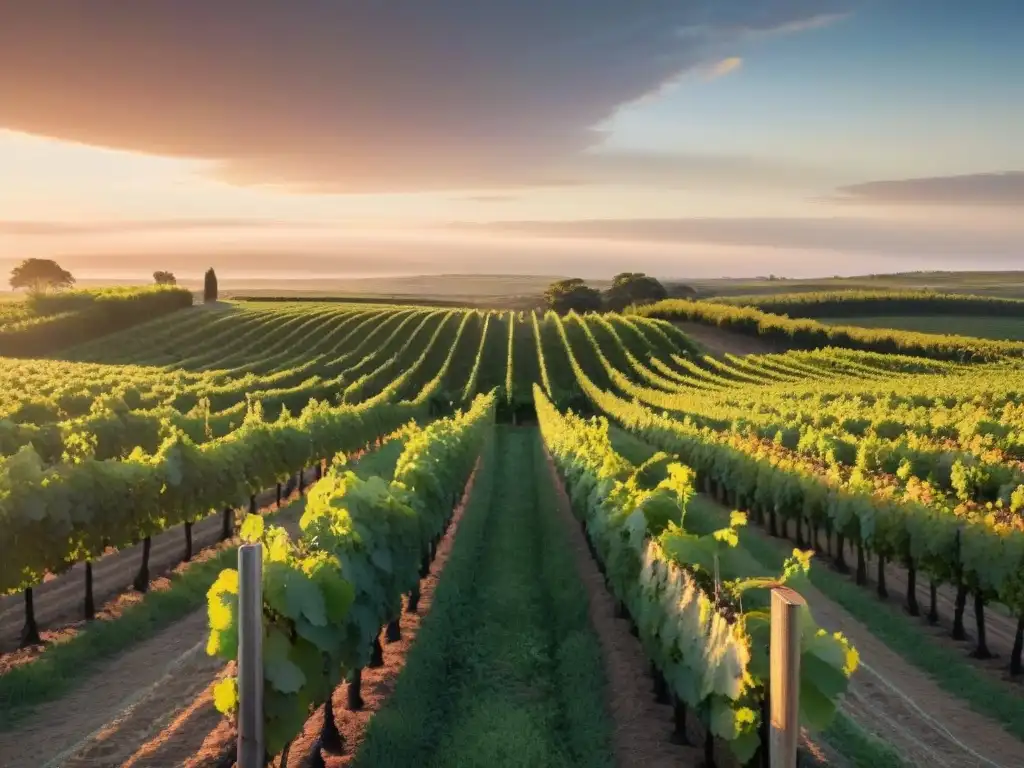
[{"x": 709, "y": 138}]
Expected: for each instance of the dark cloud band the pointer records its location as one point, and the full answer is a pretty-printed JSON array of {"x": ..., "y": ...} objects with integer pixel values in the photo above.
[
  {"x": 357, "y": 96},
  {"x": 983, "y": 189},
  {"x": 850, "y": 235}
]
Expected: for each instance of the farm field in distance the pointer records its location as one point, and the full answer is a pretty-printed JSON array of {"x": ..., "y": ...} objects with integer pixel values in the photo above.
[
  {"x": 1009, "y": 328},
  {"x": 490, "y": 534},
  {"x": 1008, "y": 284}
]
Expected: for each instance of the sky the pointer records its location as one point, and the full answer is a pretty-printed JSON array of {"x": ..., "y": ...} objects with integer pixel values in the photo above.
[{"x": 684, "y": 138}]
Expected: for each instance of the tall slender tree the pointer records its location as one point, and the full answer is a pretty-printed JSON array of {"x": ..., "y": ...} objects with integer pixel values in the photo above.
[{"x": 210, "y": 286}]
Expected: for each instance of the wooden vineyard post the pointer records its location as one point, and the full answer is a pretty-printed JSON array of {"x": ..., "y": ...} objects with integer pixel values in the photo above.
[
  {"x": 250, "y": 656},
  {"x": 785, "y": 677}
]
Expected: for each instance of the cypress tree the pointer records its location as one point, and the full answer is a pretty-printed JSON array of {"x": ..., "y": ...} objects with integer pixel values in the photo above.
[{"x": 210, "y": 286}]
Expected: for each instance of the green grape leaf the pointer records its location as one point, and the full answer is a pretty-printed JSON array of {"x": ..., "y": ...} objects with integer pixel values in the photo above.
[
  {"x": 729, "y": 721},
  {"x": 381, "y": 558},
  {"x": 325, "y": 638},
  {"x": 292, "y": 593},
  {"x": 278, "y": 669},
  {"x": 816, "y": 708}
]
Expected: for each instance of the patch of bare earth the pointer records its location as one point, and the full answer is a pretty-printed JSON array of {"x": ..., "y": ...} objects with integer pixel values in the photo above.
[
  {"x": 903, "y": 706},
  {"x": 718, "y": 341},
  {"x": 98, "y": 709}
]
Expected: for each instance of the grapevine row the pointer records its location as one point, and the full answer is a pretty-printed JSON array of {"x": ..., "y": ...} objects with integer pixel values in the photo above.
[
  {"x": 327, "y": 594},
  {"x": 978, "y": 553},
  {"x": 810, "y": 334},
  {"x": 702, "y": 618}
]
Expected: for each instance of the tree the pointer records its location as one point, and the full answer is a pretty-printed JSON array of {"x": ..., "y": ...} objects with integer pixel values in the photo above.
[
  {"x": 681, "y": 291},
  {"x": 40, "y": 275},
  {"x": 633, "y": 288},
  {"x": 165, "y": 278},
  {"x": 572, "y": 294},
  {"x": 210, "y": 286}
]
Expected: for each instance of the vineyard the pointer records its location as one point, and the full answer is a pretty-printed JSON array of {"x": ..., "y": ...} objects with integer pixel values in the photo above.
[{"x": 509, "y": 538}]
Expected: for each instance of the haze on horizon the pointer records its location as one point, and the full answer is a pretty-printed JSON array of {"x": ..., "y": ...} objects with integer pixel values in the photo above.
[{"x": 702, "y": 139}]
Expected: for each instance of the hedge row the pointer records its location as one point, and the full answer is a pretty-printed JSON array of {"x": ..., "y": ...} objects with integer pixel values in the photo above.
[
  {"x": 885, "y": 303},
  {"x": 809, "y": 334},
  {"x": 64, "y": 319}
]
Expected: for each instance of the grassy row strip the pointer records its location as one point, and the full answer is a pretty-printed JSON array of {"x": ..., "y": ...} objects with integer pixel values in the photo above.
[
  {"x": 506, "y": 669},
  {"x": 821, "y": 304}
]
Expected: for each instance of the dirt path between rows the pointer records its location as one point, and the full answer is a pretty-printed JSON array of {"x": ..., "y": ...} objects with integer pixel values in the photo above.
[
  {"x": 59, "y": 601},
  {"x": 126, "y": 700},
  {"x": 117, "y": 685},
  {"x": 718, "y": 342},
  {"x": 903, "y": 706}
]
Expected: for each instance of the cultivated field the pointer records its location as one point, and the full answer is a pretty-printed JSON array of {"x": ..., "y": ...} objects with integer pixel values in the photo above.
[
  {"x": 1003, "y": 283},
  {"x": 1008, "y": 328},
  {"x": 508, "y": 539}
]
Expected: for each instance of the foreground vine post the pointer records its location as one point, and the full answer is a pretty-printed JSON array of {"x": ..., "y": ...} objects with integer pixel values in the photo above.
[
  {"x": 250, "y": 656},
  {"x": 784, "y": 692}
]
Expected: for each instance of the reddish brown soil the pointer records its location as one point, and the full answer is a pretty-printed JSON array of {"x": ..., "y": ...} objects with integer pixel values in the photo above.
[
  {"x": 184, "y": 734},
  {"x": 719, "y": 342}
]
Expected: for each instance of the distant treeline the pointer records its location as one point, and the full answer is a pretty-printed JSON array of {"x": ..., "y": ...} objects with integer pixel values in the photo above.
[
  {"x": 804, "y": 333},
  {"x": 878, "y": 303},
  {"x": 386, "y": 300},
  {"x": 51, "y": 322}
]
